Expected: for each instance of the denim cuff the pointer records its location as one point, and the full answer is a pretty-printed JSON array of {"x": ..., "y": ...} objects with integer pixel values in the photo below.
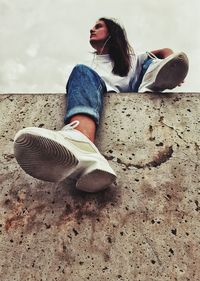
[{"x": 82, "y": 110}]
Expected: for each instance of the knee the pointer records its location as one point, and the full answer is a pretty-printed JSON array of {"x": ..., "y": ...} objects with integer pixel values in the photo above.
[
  {"x": 81, "y": 68},
  {"x": 76, "y": 72}
]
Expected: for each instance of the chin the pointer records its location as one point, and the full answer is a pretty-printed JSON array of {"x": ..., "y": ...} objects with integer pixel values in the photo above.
[{"x": 93, "y": 42}]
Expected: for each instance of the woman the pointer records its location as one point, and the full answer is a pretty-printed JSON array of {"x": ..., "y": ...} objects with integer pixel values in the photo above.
[{"x": 54, "y": 156}]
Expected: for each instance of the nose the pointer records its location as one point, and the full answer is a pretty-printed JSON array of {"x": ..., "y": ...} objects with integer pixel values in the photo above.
[{"x": 91, "y": 30}]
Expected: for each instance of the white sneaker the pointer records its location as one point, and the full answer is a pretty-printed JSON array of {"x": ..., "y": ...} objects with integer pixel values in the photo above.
[
  {"x": 53, "y": 156},
  {"x": 165, "y": 73}
]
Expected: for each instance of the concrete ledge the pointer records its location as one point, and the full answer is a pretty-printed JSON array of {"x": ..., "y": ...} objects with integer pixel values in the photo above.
[{"x": 144, "y": 227}]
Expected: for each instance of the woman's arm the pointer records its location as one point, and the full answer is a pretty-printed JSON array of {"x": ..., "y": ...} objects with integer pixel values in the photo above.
[{"x": 162, "y": 53}]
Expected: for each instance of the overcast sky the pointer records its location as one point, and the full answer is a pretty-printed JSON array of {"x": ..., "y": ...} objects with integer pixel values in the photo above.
[{"x": 41, "y": 40}]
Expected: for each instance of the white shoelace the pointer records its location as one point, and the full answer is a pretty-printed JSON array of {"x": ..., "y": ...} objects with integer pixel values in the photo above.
[
  {"x": 71, "y": 125},
  {"x": 151, "y": 55}
]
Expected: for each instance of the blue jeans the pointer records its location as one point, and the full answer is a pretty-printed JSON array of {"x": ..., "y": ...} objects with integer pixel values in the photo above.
[
  {"x": 145, "y": 66},
  {"x": 85, "y": 90}
]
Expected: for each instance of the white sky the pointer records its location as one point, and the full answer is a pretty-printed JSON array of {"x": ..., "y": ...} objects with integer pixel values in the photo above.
[{"x": 41, "y": 40}]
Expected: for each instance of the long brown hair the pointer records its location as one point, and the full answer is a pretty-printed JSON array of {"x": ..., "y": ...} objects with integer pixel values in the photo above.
[{"x": 119, "y": 47}]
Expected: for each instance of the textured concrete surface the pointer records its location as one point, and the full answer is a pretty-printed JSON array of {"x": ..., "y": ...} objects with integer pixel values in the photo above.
[{"x": 144, "y": 227}]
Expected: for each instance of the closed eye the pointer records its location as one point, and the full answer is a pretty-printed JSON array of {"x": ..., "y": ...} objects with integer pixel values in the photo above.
[{"x": 98, "y": 25}]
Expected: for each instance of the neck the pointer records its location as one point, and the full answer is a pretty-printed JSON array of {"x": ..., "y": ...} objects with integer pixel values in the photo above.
[{"x": 101, "y": 50}]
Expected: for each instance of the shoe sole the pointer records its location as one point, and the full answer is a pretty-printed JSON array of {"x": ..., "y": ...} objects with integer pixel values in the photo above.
[
  {"x": 47, "y": 160},
  {"x": 95, "y": 181},
  {"x": 171, "y": 74},
  {"x": 43, "y": 158}
]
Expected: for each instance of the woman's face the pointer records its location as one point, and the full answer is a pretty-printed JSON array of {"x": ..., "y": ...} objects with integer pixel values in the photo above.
[{"x": 99, "y": 33}]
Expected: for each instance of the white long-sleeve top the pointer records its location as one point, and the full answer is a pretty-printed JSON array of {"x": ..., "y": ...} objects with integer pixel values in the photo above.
[{"x": 103, "y": 65}]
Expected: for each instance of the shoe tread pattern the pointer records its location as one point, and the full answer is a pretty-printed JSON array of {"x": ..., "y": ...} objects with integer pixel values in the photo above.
[
  {"x": 43, "y": 158},
  {"x": 171, "y": 75}
]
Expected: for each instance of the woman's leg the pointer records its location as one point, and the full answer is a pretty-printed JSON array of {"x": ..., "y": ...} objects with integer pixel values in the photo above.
[
  {"x": 87, "y": 125},
  {"x": 145, "y": 66},
  {"x": 54, "y": 156},
  {"x": 166, "y": 73},
  {"x": 85, "y": 91}
]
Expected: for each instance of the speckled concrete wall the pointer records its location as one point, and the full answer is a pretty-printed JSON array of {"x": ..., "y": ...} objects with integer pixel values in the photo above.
[{"x": 146, "y": 226}]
